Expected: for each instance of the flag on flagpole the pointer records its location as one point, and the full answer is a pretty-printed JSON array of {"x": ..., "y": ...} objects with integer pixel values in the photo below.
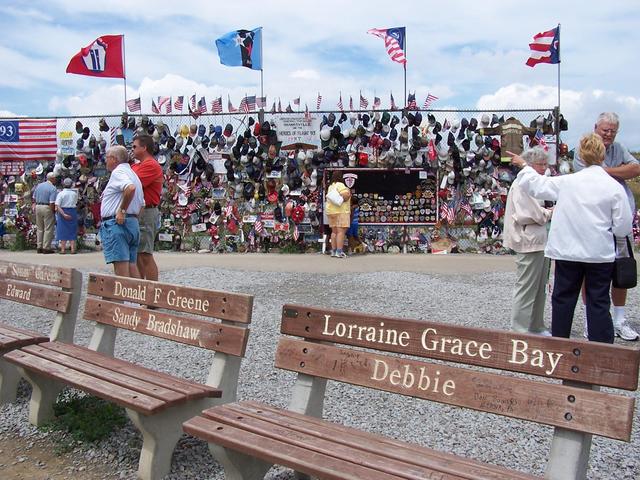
[
  {"x": 540, "y": 139},
  {"x": 364, "y": 103},
  {"x": 376, "y": 102},
  {"x": 104, "y": 57},
  {"x": 350, "y": 103},
  {"x": 273, "y": 107},
  {"x": 168, "y": 109},
  {"x": 192, "y": 102},
  {"x": 429, "y": 100},
  {"x": 279, "y": 106},
  {"x": 307, "y": 115},
  {"x": 296, "y": 101},
  {"x": 202, "y": 105},
  {"x": 340, "y": 106},
  {"x": 545, "y": 48},
  {"x": 154, "y": 107},
  {"x": 261, "y": 102},
  {"x": 289, "y": 109},
  {"x": 241, "y": 48},
  {"x": 393, "y": 103},
  {"x": 28, "y": 139},
  {"x": 230, "y": 106},
  {"x": 162, "y": 101},
  {"x": 179, "y": 103},
  {"x": 411, "y": 102},
  {"x": 134, "y": 105},
  {"x": 319, "y": 101},
  {"x": 393, "y": 42},
  {"x": 248, "y": 104},
  {"x": 296, "y": 233},
  {"x": 216, "y": 105}
]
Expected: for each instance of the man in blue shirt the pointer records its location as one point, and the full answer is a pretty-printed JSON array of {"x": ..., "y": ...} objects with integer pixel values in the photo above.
[
  {"x": 621, "y": 165},
  {"x": 44, "y": 196}
]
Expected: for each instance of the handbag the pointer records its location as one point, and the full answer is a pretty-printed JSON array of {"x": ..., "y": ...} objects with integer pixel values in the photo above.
[
  {"x": 334, "y": 197},
  {"x": 625, "y": 271}
]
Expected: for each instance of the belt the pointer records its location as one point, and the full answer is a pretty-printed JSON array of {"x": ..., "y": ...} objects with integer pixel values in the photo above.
[
  {"x": 151, "y": 206},
  {"x": 111, "y": 217},
  {"x": 42, "y": 204}
]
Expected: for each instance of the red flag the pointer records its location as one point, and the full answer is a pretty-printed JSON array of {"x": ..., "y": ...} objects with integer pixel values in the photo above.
[{"x": 104, "y": 57}]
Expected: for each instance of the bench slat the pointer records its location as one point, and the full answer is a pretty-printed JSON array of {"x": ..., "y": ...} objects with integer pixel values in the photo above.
[
  {"x": 588, "y": 362},
  {"x": 192, "y": 331},
  {"x": 11, "y": 337},
  {"x": 114, "y": 393},
  {"x": 368, "y": 451},
  {"x": 552, "y": 404},
  {"x": 44, "y": 274},
  {"x": 187, "y": 388},
  {"x": 30, "y": 294},
  {"x": 133, "y": 383},
  {"x": 274, "y": 451},
  {"x": 235, "y": 307},
  {"x": 400, "y": 450}
]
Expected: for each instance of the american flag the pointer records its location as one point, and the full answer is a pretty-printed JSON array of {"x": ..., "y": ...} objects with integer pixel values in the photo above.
[
  {"x": 216, "y": 105},
  {"x": 248, "y": 104},
  {"x": 393, "y": 103},
  {"x": 340, "y": 106},
  {"x": 258, "y": 226},
  {"x": 273, "y": 107},
  {"x": 162, "y": 101},
  {"x": 169, "y": 105},
  {"x": 429, "y": 100},
  {"x": 393, "y": 42},
  {"x": 230, "y": 106},
  {"x": 179, "y": 103},
  {"x": 545, "y": 48},
  {"x": 465, "y": 206},
  {"x": 154, "y": 107},
  {"x": 134, "y": 105},
  {"x": 540, "y": 139},
  {"x": 319, "y": 101},
  {"x": 411, "y": 102},
  {"x": 376, "y": 102},
  {"x": 364, "y": 103},
  {"x": 192, "y": 102},
  {"x": 307, "y": 115},
  {"x": 288, "y": 109},
  {"x": 447, "y": 213},
  {"x": 296, "y": 233},
  {"x": 350, "y": 103},
  {"x": 28, "y": 139},
  {"x": 228, "y": 210},
  {"x": 279, "y": 106},
  {"x": 296, "y": 101},
  {"x": 261, "y": 102},
  {"x": 497, "y": 211},
  {"x": 202, "y": 105}
]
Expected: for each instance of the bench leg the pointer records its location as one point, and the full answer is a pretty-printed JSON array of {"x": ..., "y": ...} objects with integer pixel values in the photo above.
[
  {"x": 160, "y": 434},
  {"x": 43, "y": 396},
  {"x": 238, "y": 466},
  {"x": 569, "y": 456},
  {"x": 9, "y": 378},
  {"x": 223, "y": 374}
]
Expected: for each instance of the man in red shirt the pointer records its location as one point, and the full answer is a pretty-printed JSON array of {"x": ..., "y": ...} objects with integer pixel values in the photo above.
[{"x": 150, "y": 174}]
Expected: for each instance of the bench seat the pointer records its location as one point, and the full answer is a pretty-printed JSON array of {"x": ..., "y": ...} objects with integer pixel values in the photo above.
[
  {"x": 123, "y": 383},
  {"x": 13, "y": 337},
  {"x": 322, "y": 448}
]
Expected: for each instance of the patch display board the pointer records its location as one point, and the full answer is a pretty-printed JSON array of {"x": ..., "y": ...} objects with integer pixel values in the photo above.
[{"x": 388, "y": 197}]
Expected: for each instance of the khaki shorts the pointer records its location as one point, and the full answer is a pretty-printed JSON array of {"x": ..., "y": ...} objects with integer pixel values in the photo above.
[
  {"x": 339, "y": 220},
  {"x": 148, "y": 229}
]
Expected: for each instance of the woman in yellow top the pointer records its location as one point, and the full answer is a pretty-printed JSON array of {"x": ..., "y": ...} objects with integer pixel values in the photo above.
[{"x": 339, "y": 215}]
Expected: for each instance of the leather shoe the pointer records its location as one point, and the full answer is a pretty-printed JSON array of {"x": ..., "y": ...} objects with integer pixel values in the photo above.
[{"x": 48, "y": 250}]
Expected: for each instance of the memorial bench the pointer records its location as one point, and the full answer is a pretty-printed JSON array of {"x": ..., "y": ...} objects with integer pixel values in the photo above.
[
  {"x": 248, "y": 437},
  {"x": 156, "y": 402},
  {"x": 53, "y": 288}
]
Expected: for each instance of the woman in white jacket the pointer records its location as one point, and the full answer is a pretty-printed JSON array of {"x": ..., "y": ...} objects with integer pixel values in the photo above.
[
  {"x": 591, "y": 208},
  {"x": 525, "y": 232}
]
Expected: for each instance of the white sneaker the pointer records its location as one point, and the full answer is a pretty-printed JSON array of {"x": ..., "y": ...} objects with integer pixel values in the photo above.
[
  {"x": 545, "y": 333},
  {"x": 625, "y": 332},
  {"x": 585, "y": 332}
]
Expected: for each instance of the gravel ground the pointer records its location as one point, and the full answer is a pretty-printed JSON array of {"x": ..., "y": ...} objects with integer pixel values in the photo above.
[{"x": 473, "y": 299}]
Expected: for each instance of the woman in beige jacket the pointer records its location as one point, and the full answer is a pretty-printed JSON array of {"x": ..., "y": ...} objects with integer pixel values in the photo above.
[{"x": 525, "y": 232}]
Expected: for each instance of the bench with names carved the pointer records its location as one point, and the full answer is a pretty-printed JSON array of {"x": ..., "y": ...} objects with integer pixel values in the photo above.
[
  {"x": 53, "y": 288},
  {"x": 156, "y": 402},
  {"x": 248, "y": 437}
]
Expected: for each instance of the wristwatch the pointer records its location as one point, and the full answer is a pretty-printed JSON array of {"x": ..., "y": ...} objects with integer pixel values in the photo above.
[{"x": 122, "y": 210}]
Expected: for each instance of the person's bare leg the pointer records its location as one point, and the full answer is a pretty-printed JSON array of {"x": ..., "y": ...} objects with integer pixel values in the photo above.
[
  {"x": 121, "y": 269},
  {"x": 147, "y": 267}
]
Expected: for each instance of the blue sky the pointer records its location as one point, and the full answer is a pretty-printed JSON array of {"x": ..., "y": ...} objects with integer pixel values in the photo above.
[{"x": 470, "y": 54}]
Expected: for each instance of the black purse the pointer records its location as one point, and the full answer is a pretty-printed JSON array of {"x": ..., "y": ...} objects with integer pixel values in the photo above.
[{"x": 625, "y": 271}]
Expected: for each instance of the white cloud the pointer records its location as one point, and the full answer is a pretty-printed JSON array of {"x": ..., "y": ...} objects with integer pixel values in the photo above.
[{"x": 307, "y": 74}]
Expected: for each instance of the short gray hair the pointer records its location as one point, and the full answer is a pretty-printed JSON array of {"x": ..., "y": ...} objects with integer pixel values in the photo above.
[
  {"x": 51, "y": 176},
  {"x": 608, "y": 117},
  {"x": 119, "y": 152},
  {"x": 67, "y": 182},
  {"x": 535, "y": 155}
]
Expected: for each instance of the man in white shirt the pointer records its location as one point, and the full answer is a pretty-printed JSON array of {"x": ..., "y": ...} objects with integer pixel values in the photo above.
[{"x": 122, "y": 201}]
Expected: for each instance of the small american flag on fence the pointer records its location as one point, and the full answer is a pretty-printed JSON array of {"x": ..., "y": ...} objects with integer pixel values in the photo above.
[
  {"x": 393, "y": 103},
  {"x": 319, "y": 101},
  {"x": 429, "y": 100},
  {"x": 340, "y": 106},
  {"x": 28, "y": 139},
  {"x": 216, "y": 105},
  {"x": 248, "y": 104},
  {"x": 134, "y": 105},
  {"x": 179, "y": 103},
  {"x": 364, "y": 103},
  {"x": 154, "y": 107},
  {"x": 230, "y": 106},
  {"x": 376, "y": 102}
]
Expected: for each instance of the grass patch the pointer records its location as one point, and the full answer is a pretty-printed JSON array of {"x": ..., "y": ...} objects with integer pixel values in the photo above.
[{"x": 86, "y": 418}]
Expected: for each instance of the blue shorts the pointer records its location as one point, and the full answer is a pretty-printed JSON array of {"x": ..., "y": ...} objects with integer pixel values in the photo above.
[{"x": 120, "y": 242}]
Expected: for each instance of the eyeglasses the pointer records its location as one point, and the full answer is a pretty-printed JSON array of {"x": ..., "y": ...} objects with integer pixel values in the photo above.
[{"x": 136, "y": 146}]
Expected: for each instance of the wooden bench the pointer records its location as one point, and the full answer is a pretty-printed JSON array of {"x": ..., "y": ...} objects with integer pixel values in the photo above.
[
  {"x": 53, "y": 288},
  {"x": 156, "y": 402},
  {"x": 248, "y": 437}
]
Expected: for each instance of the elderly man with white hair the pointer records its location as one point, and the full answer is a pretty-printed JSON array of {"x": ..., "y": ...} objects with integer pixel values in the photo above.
[
  {"x": 622, "y": 166},
  {"x": 44, "y": 197}
]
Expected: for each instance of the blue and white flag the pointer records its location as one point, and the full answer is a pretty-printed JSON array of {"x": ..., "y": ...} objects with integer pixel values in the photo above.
[{"x": 241, "y": 48}]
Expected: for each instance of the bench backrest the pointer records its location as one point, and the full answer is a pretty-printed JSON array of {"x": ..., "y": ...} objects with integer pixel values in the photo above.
[
  {"x": 376, "y": 364},
  {"x": 203, "y": 318},
  {"x": 54, "y": 288}
]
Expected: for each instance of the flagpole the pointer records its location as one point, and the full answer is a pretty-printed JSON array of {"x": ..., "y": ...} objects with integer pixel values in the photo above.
[
  {"x": 124, "y": 66},
  {"x": 558, "y": 69},
  {"x": 405, "y": 64}
]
